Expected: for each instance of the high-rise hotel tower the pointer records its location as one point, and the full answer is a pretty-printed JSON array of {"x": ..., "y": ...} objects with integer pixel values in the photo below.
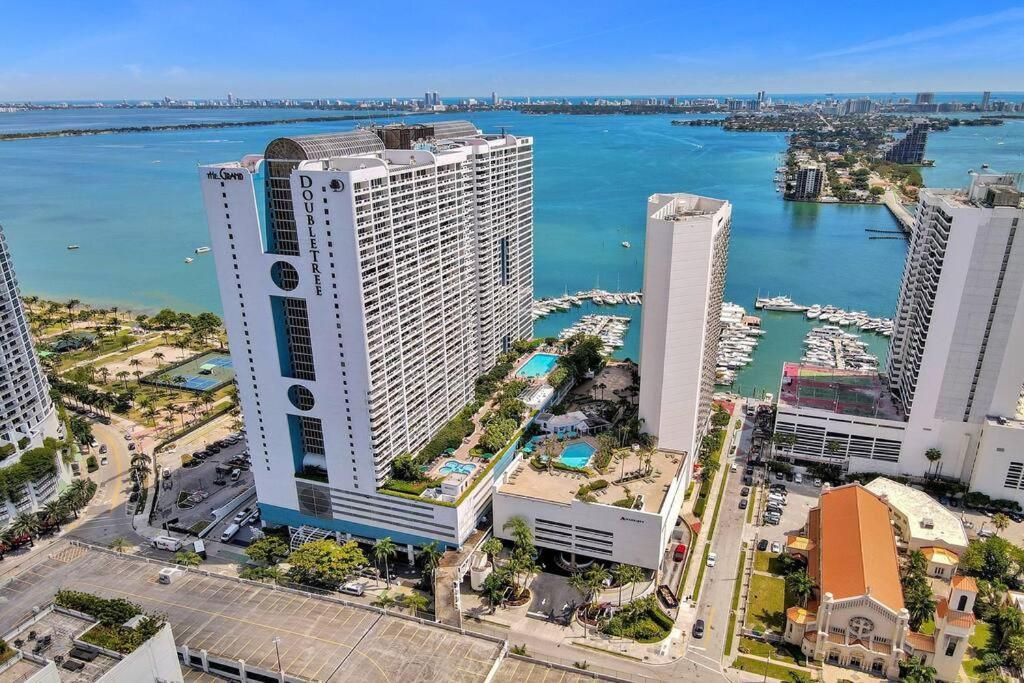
[
  {"x": 28, "y": 414},
  {"x": 368, "y": 278}
]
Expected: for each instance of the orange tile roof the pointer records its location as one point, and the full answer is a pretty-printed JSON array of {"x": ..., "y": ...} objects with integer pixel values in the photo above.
[
  {"x": 921, "y": 642},
  {"x": 798, "y": 615},
  {"x": 952, "y": 617},
  {"x": 855, "y": 547},
  {"x": 965, "y": 583},
  {"x": 940, "y": 555},
  {"x": 798, "y": 542}
]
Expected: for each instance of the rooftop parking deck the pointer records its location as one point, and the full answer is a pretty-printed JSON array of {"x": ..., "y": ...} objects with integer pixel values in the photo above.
[
  {"x": 320, "y": 639},
  {"x": 561, "y": 486}
]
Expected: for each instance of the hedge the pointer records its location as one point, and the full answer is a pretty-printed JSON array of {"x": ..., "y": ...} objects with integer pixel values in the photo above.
[{"x": 34, "y": 464}]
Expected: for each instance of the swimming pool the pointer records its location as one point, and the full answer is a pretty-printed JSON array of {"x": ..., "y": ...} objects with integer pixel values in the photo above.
[
  {"x": 577, "y": 455},
  {"x": 538, "y": 365},
  {"x": 456, "y": 467}
]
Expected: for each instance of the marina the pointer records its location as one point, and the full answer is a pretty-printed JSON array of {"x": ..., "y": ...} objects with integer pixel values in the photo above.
[
  {"x": 828, "y": 314},
  {"x": 739, "y": 338},
  {"x": 610, "y": 328},
  {"x": 549, "y": 305},
  {"x": 831, "y": 346}
]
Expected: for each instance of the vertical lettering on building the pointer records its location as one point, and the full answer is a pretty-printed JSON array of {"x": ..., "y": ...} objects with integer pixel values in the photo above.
[{"x": 308, "y": 206}]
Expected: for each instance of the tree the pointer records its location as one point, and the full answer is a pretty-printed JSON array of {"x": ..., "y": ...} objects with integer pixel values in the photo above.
[
  {"x": 519, "y": 529},
  {"x": 384, "y": 601},
  {"x": 800, "y": 584},
  {"x": 1007, "y": 623},
  {"x": 628, "y": 573},
  {"x": 913, "y": 670},
  {"x": 119, "y": 544},
  {"x": 578, "y": 582},
  {"x": 415, "y": 602},
  {"x": 26, "y": 524},
  {"x": 404, "y": 467},
  {"x": 492, "y": 546},
  {"x": 917, "y": 592},
  {"x": 187, "y": 558},
  {"x": 498, "y": 434},
  {"x": 54, "y": 512},
  {"x": 1000, "y": 521},
  {"x": 324, "y": 564},
  {"x": 268, "y": 550},
  {"x": 262, "y": 574},
  {"x": 495, "y": 587},
  {"x": 933, "y": 455},
  {"x": 431, "y": 555},
  {"x": 993, "y": 559},
  {"x": 384, "y": 549}
]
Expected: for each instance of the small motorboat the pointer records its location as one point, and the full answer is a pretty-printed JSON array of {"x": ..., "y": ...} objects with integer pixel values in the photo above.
[
  {"x": 627, "y": 245},
  {"x": 189, "y": 259},
  {"x": 202, "y": 250},
  {"x": 72, "y": 247}
]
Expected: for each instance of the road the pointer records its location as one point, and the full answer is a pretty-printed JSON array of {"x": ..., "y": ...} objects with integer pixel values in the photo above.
[{"x": 719, "y": 581}]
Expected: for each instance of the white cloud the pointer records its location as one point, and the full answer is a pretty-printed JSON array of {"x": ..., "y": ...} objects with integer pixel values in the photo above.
[{"x": 930, "y": 33}]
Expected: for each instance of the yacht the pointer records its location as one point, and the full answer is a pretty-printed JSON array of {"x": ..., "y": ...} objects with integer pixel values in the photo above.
[
  {"x": 202, "y": 250},
  {"x": 782, "y": 303},
  {"x": 813, "y": 312}
]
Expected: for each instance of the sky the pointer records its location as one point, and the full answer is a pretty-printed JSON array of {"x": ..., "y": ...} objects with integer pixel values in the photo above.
[{"x": 115, "y": 49}]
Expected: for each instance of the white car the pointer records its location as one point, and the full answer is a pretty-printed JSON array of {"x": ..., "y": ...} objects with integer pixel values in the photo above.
[
  {"x": 776, "y": 547},
  {"x": 103, "y": 460},
  {"x": 712, "y": 558}
]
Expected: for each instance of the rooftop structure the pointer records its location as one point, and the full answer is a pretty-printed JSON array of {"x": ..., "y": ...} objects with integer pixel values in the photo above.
[{"x": 921, "y": 520}]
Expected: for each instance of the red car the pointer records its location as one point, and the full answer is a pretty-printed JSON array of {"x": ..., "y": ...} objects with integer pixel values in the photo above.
[{"x": 679, "y": 553}]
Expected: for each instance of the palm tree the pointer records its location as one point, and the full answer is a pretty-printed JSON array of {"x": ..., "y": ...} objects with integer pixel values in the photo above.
[
  {"x": 519, "y": 529},
  {"x": 104, "y": 374},
  {"x": 384, "y": 601},
  {"x": 431, "y": 554},
  {"x": 119, "y": 544},
  {"x": 158, "y": 356},
  {"x": 1000, "y": 521},
  {"x": 914, "y": 670},
  {"x": 415, "y": 602},
  {"x": 26, "y": 523},
  {"x": 384, "y": 549},
  {"x": 187, "y": 558},
  {"x": 123, "y": 375},
  {"x": 933, "y": 455},
  {"x": 140, "y": 457},
  {"x": 801, "y": 585},
  {"x": 137, "y": 374},
  {"x": 631, "y": 574},
  {"x": 492, "y": 546},
  {"x": 54, "y": 512}
]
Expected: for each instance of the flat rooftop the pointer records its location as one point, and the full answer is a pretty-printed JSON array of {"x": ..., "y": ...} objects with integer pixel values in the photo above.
[
  {"x": 861, "y": 393},
  {"x": 62, "y": 629},
  {"x": 320, "y": 639},
  {"x": 560, "y": 486},
  {"x": 917, "y": 506}
]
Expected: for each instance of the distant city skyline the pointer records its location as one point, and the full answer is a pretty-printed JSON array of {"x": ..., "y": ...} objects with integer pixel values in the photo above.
[{"x": 203, "y": 50}]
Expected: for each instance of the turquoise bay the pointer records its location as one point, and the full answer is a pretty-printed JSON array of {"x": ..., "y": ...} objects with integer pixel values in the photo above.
[{"x": 132, "y": 204}]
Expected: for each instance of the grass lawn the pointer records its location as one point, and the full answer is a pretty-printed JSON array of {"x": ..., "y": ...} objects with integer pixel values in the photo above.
[
  {"x": 735, "y": 602},
  {"x": 700, "y": 571},
  {"x": 759, "y": 668},
  {"x": 783, "y": 652},
  {"x": 751, "y": 505},
  {"x": 763, "y": 561},
  {"x": 766, "y": 603},
  {"x": 977, "y": 644}
]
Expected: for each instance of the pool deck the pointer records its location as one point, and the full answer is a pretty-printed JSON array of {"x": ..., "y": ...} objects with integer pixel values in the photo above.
[{"x": 560, "y": 486}]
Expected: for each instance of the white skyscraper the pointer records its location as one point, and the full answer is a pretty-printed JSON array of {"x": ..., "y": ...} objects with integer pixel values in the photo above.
[
  {"x": 390, "y": 269},
  {"x": 29, "y": 415},
  {"x": 955, "y": 353},
  {"x": 685, "y": 256}
]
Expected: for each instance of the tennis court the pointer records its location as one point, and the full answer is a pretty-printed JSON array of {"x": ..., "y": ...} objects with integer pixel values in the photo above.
[{"x": 207, "y": 371}]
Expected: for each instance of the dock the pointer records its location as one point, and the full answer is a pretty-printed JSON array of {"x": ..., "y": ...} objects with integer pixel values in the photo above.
[{"x": 899, "y": 212}]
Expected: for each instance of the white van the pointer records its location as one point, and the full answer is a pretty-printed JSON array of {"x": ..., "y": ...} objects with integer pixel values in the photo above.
[
  {"x": 798, "y": 478},
  {"x": 167, "y": 543},
  {"x": 235, "y": 473},
  {"x": 229, "y": 533},
  {"x": 353, "y": 588}
]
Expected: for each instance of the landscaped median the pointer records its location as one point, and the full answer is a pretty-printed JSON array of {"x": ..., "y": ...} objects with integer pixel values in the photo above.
[{"x": 735, "y": 601}]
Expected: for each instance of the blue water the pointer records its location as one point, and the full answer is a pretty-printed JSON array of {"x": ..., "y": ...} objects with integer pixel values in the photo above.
[
  {"x": 456, "y": 467},
  {"x": 539, "y": 365},
  {"x": 133, "y": 204},
  {"x": 577, "y": 455}
]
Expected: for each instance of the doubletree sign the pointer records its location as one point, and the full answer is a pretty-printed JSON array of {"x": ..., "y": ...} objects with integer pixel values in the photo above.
[{"x": 308, "y": 207}]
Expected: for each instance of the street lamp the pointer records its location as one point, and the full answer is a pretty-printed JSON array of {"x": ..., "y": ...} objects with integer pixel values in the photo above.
[{"x": 277, "y": 648}]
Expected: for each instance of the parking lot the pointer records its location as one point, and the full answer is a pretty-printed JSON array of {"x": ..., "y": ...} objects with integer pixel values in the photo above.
[
  {"x": 799, "y": 499},
  {"x": 318, "y": 639},
  {"x": 212, "y": 489}
]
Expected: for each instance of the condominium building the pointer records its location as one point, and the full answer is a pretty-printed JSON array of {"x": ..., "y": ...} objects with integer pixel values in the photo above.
[
  {"x": 385, "y": 272},
  {"x": 910, "y": 148},
  {"x": 955, "y": 374},
  {"x": 810, "y": 177},
  {"x": 630, "y": 516},
  {"x": 28, "y": 415},
  {"x": 685, "y": 256}
]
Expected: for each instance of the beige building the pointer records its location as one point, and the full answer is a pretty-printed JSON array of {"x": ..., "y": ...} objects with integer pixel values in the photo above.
[{"x": 856, "y": 617}]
